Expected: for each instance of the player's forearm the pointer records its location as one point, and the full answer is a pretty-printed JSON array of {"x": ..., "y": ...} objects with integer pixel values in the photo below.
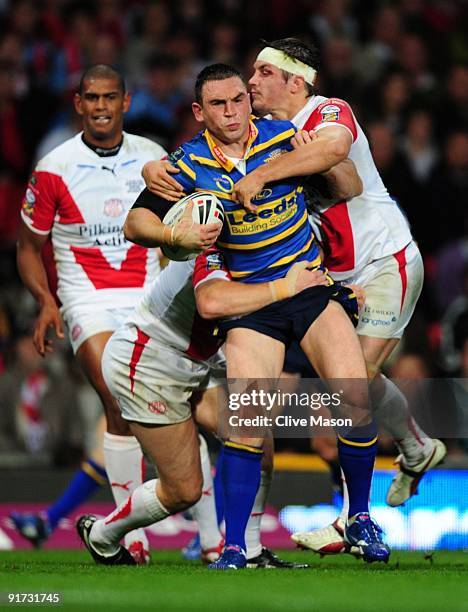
[
  {"x": 217, "y": 299},
  {"x": 145, "y": 228},
  {"x": 32, "y": 272},
  {"x": 343, "y": 181},
  {"x": 312, "y": 158}
]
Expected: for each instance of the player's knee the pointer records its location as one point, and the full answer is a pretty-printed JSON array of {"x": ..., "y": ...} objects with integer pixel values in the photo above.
[{"x": 186, "y": 494}]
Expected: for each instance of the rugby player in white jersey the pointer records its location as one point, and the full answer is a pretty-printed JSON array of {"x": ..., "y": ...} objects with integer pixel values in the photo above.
[
  {"x": 78, "y": 195},
  {"x": 164, "y": 368},
  {"x": 366, "y": 241}
]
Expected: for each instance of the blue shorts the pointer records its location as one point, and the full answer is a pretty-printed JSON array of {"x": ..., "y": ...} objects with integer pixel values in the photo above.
[{"x": 289, "y": 319}]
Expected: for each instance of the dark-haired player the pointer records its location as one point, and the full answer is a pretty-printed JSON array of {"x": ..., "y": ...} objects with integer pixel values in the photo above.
[
  {"x": 79, "y": 195},
  {"x": 366, "y": 241},
  {"x": 262, "y": 246}
]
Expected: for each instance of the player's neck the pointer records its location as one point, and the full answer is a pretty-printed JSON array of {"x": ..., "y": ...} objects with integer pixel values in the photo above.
[
  {"x": 290, "y": 108},
  {"x": 104, "y": 148}
]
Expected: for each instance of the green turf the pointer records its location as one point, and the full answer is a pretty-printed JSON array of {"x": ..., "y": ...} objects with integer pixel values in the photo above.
[{"x": 409, "y": 582}]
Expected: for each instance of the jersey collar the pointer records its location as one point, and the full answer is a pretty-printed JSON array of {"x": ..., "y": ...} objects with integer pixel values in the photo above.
[{"x": 220, "y": 157}]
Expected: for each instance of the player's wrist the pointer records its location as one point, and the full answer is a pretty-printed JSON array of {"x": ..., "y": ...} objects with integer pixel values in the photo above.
[
  {"x": 168, "y": 235},
  {"x": 280, "y": 289}
]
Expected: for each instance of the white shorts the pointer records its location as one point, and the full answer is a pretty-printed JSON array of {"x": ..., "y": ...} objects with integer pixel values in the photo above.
[
  {"x": 393, "y": 285},
  {"x": 152, "y": 382},
  {"x": 82, "y": 322}
]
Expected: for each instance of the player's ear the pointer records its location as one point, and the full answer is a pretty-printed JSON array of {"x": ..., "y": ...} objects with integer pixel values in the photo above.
[
  {"x": 296, "y": 83},
  {"x": 127, "y": 100},
  {"x": 197, "y": 111},
  {"x": 78, "y": 104}
]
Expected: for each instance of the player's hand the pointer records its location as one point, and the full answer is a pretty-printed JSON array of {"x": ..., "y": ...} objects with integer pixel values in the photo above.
[
  {"x": 298, "y": 278},
  {"x": 194, "y": 236},
  {"x": 359, "y": 293},
  {"x": 247, "y": 188},
  {"x": 158, "y": 179},
  {"x": 309, "y": 278},
  {"x": 48, "y": 318},
  {"x": 302, "y": 138}
]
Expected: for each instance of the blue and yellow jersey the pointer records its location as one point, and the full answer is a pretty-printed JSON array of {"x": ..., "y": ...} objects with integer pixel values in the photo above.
[{"x": 258, "y": 246}]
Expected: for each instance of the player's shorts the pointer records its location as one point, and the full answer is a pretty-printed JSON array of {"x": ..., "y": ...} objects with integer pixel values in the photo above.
[
  {"x": 393, "y": 285},
  {"x": 289, "y": 319},
  {"x": 152, "y": 382},
  {"x": 82, "y": 323}
]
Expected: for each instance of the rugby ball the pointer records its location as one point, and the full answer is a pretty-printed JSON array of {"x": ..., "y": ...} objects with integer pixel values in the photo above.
[{"x": 206, "y": 209}]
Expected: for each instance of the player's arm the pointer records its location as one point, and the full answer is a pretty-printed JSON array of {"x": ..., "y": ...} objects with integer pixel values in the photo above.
[
  {"x": 341, "y": 182},
  {"x": 144, "y": 225},
  {"x": 32, "y": 271},
  {"x": 331, "y": 146},
  {"x": 217, "y": 298}
]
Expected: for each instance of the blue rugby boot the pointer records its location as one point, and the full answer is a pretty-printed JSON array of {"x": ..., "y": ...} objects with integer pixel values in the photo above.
[
  {"x": 233, "y": 557},
  {"x": 32, "y": 527},
  {"x": 193, "y": 551},
  {"x": 364, "y": 533}
]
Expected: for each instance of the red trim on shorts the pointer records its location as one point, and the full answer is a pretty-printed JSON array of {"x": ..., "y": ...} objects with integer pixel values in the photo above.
[
  {"x": 401, "y": 259},
  {"x": 143, "y": 469},
  {"x": 138, "y": 347},
  {"x": 123, "y": 513}
]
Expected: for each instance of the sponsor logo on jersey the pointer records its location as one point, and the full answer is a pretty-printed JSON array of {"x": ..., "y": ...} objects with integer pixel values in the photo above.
[
  {"x": 264, "y": 193},
  {"x": 29, "y": 202},
  {"x": 157, "y": 407},
  {"x": 214, "y": 261},
  {"x": 274, "y": 155},
  {"x": 113, "y": 207},
  {"x": 176, "y": 155},
  {"x": 243, "y": 222},
  {"x": 225, "y": 183},
  {"x": 330, "y": 112},
  {"x": 134, "y": 185}
]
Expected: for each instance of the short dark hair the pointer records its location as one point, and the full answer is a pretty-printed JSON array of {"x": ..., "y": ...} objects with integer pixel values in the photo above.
[
  {"x": 215, "y": 72},
  {"x": 102, "y": 71},
  {"x": 296, "y": 49}
]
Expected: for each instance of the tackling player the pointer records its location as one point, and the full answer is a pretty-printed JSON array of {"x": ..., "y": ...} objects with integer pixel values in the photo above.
[
  {"x": 162, "y": 362},
  {"x": 366, "y": 241},
  {"x": 258, "y": 247},
  {"x": 78, "y": 195}
]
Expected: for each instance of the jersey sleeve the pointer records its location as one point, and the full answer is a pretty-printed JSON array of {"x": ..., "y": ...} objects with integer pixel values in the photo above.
[
  {"x": 41, "y": 201},
  {"x": 210, "y": 265},
  {"x": 333, "y": 112},
  {"x": 152, "y": 202},
  {"x": 187, "y": 175}
]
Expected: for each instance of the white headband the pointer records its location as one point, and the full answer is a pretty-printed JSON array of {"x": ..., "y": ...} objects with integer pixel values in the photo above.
[{"x": 282, "y": 60}]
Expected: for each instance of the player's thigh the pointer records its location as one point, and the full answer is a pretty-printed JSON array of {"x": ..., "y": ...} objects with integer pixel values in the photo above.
[
  {"x": 376, "y": 351},
  {"x": 252, "y": 355},
  {"x": 89, "y": 356},
  {"x": 205, "y": 404},
  {"x": 332, "y": 346},
  {"x": 174, "y": 449}
]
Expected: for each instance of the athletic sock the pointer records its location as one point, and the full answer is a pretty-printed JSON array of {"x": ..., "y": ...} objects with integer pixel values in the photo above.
[
  {"x": 142, "y": 508},
  {"x": 357, "y": 457},
  {"x": 393, "y": 413},
  {"x": 253, "y": 539},
  {"x": 241, "y": 479},
  {"x": 204, "y": 511},
  {"x": 345, "y": 508},
  {"x": 90, "y": 477},
  {"x": 125, "y": 469},
  {"x": 218, "y": 487}
]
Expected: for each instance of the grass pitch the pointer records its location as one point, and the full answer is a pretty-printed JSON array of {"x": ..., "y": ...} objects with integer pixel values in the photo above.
[{"x": 411, "y": 581}]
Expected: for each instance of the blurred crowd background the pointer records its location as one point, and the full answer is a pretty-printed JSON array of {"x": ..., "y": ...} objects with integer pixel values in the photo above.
[{"x": 403, "y": 66}]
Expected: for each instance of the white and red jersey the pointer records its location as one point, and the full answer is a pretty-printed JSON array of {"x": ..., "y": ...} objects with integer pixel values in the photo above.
[
  {"x": 82, "y": 199},
  {"x": 366, "y": 228},
  {"x": 168, "y": 312}
]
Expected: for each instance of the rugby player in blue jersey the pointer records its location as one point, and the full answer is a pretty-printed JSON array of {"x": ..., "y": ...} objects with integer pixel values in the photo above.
[{"x": 261, "y": 246}]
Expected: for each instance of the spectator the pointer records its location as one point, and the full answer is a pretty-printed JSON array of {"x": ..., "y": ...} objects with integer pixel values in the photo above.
[{"x": 419, "y": 147}]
